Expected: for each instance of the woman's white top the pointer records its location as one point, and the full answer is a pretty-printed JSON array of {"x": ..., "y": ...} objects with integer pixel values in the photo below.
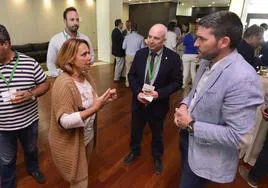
[{"x": 74, "y": 120}]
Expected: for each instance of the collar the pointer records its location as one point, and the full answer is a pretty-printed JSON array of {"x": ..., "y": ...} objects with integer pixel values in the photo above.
[
  {"x": 159, "y": 52},
  {"x": 218, "y": 63},
  {"x": 119, "y": 29},
  {"x": 66, "y": 34}
]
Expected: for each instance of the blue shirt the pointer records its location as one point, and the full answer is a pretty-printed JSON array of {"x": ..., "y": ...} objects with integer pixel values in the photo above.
[
  {"x": 188, "y": 42},
  {"x": 132, "y": 43}
]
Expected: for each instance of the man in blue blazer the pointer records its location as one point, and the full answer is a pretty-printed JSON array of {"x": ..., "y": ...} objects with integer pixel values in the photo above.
[
  {"x": 154, "y": 75},
  {"x": 218, "y": 116}
]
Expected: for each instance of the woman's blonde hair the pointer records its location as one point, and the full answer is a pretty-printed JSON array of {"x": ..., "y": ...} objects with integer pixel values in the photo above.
[{"x": 66, "y": 57}]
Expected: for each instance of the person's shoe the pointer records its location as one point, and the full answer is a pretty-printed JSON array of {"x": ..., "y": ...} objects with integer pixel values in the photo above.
[
  {"x": 244, "y": 174},
  {"x": 158, "y": 167},
  {"x": 129, "y": 158},
  {"x": 38, "y": 176}
]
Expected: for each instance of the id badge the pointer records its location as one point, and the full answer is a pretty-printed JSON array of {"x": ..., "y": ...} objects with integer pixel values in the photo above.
[
  {"x": 147, "y": 88},
  {"x": 8, "y": 95}
]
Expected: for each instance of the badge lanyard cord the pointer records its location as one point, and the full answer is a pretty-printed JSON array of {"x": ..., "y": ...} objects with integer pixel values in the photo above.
[
  {"x": 12, "y": 73},
  {"x": 150, "y": 72},
  {"x": 66, "y": 35}
]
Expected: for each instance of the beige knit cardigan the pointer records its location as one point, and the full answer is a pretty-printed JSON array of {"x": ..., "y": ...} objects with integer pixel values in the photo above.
[{"x": 67, "y": 145}]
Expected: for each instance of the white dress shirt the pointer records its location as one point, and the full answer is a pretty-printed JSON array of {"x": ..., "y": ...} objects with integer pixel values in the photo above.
[
  {"x": 54, "y": 46},
  {"x": 171, "y": 41}
]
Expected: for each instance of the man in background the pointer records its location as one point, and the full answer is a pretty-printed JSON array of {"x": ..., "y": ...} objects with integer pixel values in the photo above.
[
  {"x": 117, "y": 50},
  {"x": 71, "y": 21},
  {"x": 132, "y": 43},
  {"x": 128, "y": 28},
  {"x": 252, "y": 39}
]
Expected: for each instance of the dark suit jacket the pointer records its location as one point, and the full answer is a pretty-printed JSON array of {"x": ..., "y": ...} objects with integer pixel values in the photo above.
[
  {"x": 248, "y": 53},
  {"x": 117, "y": 42},
  {"x": 264, "y": 52},
  {"x": 168, "y": 80}
]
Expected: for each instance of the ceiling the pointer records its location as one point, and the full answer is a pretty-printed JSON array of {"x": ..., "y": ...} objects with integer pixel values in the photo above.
[{"x": 195, "y": 3}]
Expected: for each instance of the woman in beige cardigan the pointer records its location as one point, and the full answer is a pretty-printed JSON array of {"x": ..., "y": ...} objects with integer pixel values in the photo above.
[{"x": 73, "y": 109}]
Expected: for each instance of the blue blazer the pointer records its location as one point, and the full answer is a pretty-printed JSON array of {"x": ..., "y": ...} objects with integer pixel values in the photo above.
[
  {"x": 225, "y": 113},
  {"x": 168, "y": 80}
]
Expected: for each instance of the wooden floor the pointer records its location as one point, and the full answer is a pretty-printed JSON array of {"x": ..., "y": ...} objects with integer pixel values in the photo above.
[{"x": 106, "y": 168}]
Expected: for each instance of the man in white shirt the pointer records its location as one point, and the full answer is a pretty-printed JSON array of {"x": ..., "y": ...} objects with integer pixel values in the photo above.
[
  {"x": 132, "y": 43},
  {"x": 171, "y": 41},
  {"x": 71, "y": 21}
]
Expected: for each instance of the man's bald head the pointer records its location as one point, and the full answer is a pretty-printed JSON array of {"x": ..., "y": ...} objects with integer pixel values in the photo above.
[
  {"x": 160, "y": 28},
  {"x": 157, "y": 37}
]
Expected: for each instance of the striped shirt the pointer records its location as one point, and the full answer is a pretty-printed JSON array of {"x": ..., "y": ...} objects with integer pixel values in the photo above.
[{"x": 28, "y": 75}]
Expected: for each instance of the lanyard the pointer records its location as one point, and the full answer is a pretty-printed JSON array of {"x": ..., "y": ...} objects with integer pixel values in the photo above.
[
  {"x": 12, "y": 73},
  {"x": 150, "y": 73},
  {"x": 66, "y": 35}
]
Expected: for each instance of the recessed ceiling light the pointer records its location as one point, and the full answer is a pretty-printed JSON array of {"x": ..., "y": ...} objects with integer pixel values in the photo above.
[
  {"x": 182, "y": 4},
  {"x": 209, "y": 5},
  {"x": 213, "y": 3}
]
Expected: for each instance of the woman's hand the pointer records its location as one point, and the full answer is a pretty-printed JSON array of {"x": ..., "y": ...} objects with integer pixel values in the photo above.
[
  {"x": 113, "y": 95},
  {"x": 102, "y": 100},
  {"x": 108, "y": 96}
]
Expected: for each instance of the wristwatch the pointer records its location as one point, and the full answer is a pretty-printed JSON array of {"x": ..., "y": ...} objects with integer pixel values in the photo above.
[
  {"x": 190, "y": 127},
  {"x": 32, "y": 97}
]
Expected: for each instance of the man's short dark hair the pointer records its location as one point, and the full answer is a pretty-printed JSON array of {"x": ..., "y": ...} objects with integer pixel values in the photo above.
[
  {"x": 224, "y": 24},
  {"x": 117, "y": 22},
  {"x": 264, "y": 26},
  {"x": 69, "y": 9},
  {"x": 171, "y": 26},
  {"x": 253, "y": 30},
  {"x": 134, "y": 27},
  {"x": 4, "y": 35}
]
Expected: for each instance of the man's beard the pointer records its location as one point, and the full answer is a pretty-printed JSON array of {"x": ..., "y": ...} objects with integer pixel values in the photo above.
[
  {"x": 74, "y": 29},
  {"x": 210, "y": 56}
]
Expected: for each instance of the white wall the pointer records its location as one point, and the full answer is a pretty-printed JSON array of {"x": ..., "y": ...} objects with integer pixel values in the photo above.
[
  {"x": 103, "y": 29},
  {"x": 107, "y": 12},
  {"x": 125, "y": 12},
  {"x": 258, "y": 6},
  {"x": 38, "y": 20},
  {"x": 240, "y": 8}
]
